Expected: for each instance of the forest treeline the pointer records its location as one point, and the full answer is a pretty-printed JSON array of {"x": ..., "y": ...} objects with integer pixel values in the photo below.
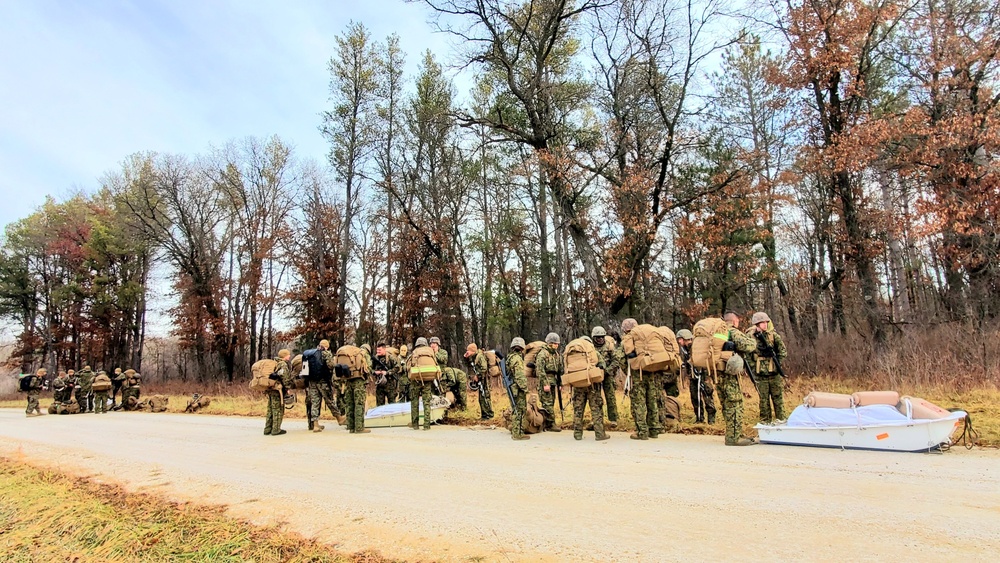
[{"x": 831, "y": 162}]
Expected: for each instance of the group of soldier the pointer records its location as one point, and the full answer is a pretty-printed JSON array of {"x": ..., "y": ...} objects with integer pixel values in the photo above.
[
  {"x": 85, "y": 391},
  {"x": 757, "y": 351}
]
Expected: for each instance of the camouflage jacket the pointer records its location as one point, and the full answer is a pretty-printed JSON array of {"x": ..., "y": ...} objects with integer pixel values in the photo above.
[
  {"x": 59, "y": 383},
  {"x": 548, "y": 366},
  {"x": 86, "y": 380},
  {"x": 452, "y": 377},
  {"x": 442, "y": 357},
  {"x": 285, "y": 373},
  {"x": 744, "y": 344},
  {"x": 515, "y": 370},
  {"x": 330, "y": 360},
  {"x": 121, "y": 379},
  {"x": 478, "y": 364},
  {"x": 389, "y": 361},
  {"x": 763, "y": 365},
  {"x": 610, "y": 356},
  {"x": 35, "y": 384}
]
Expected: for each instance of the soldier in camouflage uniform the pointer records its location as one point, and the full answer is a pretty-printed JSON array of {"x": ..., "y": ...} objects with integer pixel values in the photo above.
[
  {"x": 770, "y": 384},
  {"x": 355, "y": 395},
  {"x": 730, "y": 392},
  {"x": 116, "y": 385},
  {"x": 440, "y": 354},
  {"x": 591, "y": 394},
  {"x": 420, "y": 390},
  {"x": 644, "y": 392},
  {"x": 480, "y": 374},
  {"x": 610, "y": 355},
  {"x": 275, "y": 402},
  {"x": 131, "y": 389},
  {"x": 519, "y": 388},
  {"x": 404, "y": 377},
  {"x": 319, "y": 388},
  {"x": 701, "y": 386},
  {"x": 84, "y": 391},
  {"x": 456, "y": 381},
  {"x": 549, "y": 370},
  {"x": 34, "y": 390},
  {"x": 386, "y": 373},
  {"x": 61, "y": 391},
  {"x": 101, "y": 397}
]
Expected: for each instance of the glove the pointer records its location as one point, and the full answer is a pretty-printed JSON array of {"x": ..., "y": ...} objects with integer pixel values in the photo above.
[
  {"x": 729, "y": 346},
  {"x": 275, "y": 377}
]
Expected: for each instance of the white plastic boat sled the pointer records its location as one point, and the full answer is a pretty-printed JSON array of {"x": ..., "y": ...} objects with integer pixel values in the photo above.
[
  {"x": 398, "y": 414},
  {"x": 874, "y": 427}
]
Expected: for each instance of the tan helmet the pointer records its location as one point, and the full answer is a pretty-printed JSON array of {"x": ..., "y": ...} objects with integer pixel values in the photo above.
[
  {"x": 598, "y": 331},
  {"x": 518, "y": 342},
  {"x": 367, "y": 347},
  {"x": 324, "y": 344},
  {"x": 471, "y": 350},
  {"x": 628, "y": 324},
  {"x": 587, "y": 338},
  {"x": 118, "y": 370},
  {"x": 284, "y": 353},
  {"x": 760, "y": 317},
  {"x": 41, "y": 371},
  {"x": 435, "y": 340},
  {"x": 552, "y": 338},
  {"x": 420, "y": 342},
  {"x": 685, "y": 334},
  {"x": 71, "y": 372}
]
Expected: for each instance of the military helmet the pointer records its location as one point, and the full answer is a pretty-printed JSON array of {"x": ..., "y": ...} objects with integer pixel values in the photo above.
[
  {"x": 518, "y": 342},
  {"x": 367, "y": 347},
  {"x": 325, "y": 344},
  {"x": 43, "y": 371},
  {"x": 628, "y": 324},
  {"x": 760, "y": 317},
  {"x": 471, "y": 350},
  {"x": 420, "y": 342},
  {"x": 598, "y": 331},
  {"x": 552, "y": 338},
  {"x": 685, "y": 334},
  {"x": 435, "y": 340},
  {"x": 587, "y": 338}
]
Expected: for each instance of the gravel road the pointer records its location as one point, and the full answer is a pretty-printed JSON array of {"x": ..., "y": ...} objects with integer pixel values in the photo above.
[{"x": 459, "y": 494}]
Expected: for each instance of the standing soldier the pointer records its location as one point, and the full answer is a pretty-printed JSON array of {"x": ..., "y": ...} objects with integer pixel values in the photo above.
[
  {"x": 730, "y": 392},
  {"x": 34, "y": 390},
  {"x": 356, "y": 392},
  {"x": 386, "y": 373},
  {"x": 84, "y": 391},
  {"x": 591, "y": 394},
  {"x": 102, "y": 384},
  {"x": 480, "y": 372},
  {"x": 440, "y": 354},
  {"x": 420, "y": 390},
  {"x": 275, "y": 403},
  {"x": 131, "y": 389},
  {"x": 643, "y": 394},
  {"x": 404, "y": 377},
  {"x": 610, "y": 355},
  {"x": 60, "y": 388},
  {"x": 318, "y": 385},
  {"x": 116, "y": 384},
  {"x": 702, "y": 390},
  {"x": 770, "y": 352},
  {"x": 519, "y": 388},
  {"x": 549, "y": 369}
]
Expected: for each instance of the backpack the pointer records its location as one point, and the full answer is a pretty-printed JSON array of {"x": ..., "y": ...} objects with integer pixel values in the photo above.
[
  {"x": 354, "y": 358},
  {"x": 423, "y": 365},
  {"x": 647, "y": 350},
  {"x": 672, "y": 347},
  {"x": 492, "y": 363},
  {"x": 706, "y": 349},
  {"x": 158, "y": 403},
  {"x": 101, "y": 383},
  {"x": 132, "y": 378},
  {"x": 317, "y": 368},
  {"x": 26, "y": 382},
  {"x": 261, "y": 372},
  {"x": 301, "y": 370},
  {"x": 529, "y": 357},
  {"x": 580, "y": 364}
]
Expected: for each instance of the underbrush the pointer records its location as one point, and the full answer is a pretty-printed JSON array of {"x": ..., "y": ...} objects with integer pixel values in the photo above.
[{"x": 48, "y": 516}]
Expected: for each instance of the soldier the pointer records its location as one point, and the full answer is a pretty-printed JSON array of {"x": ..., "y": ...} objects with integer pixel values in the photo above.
[
  {"x": 318, "y": 386},
  {"x": 519, "y": 388},
  {"x": 479, "y": 370},
  {"x": 100, "y": 398},
  {"x": 404, "y": 378},
  {"x": 770, "y": 352},
  {"x": 609, "y": 353},
  {"x": 591, "y": 394},
  {"x": 131, "y": 389},
  {"x": 116, "y": 384},
  {"x": 34, "y": 390},
  {"x": 84, "y": 392},
  {"x": 355, "y": 394},
  {"x": 440, "y": 354},
  {"x": 420, "y": 390},
  {"x": 644, "y": 391},
  {"x": 60, "y": 388},
  {"x": 456, "y": 381},
  {"x": 549, "y": 369},
  {"x": 275, "y": 403},
  {"x": 386, "y": 373},
  {"x": 730, "y": 392},
  {"x": 72, "y": 387},
  {"x": 702, "y": 389}
]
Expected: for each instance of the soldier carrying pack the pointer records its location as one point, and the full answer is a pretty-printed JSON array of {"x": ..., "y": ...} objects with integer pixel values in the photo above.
[
  {"x": 353, "y": 361},
  {"x": 262, "y": 372},
  {"x": 581, "y": 359},
  {"x": 649, "y": 348},
  {"x": 529, "y": 357}
]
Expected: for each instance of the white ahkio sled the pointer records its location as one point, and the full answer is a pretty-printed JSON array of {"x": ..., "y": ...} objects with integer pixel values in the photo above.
[
  {"x": 871, "y": 420},
  {"x": 398, "y": 414}
]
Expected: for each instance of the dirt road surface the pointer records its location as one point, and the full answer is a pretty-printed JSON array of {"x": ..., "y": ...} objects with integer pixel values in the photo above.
[{"x": 459, "y": 494}]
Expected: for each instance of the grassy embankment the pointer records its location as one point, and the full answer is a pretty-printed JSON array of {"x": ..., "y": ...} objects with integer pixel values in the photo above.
[
  {"x": 48, "y": 516},
  {"x": 982, "y": 403}
]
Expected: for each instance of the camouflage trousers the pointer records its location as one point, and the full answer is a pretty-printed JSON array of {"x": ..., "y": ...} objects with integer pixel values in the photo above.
[
  {"x": 771, "y": 389},
  {"x": 609, "y": 397},
  {"x": 704, "y": 402},
  {"x": 645, "y": 408},
  {"x": 485, "y": 401},
  {"x": 101, "y": 401},
  {"x": 518, "y": 409},
  {"x": 318, "y": 392},
  {"x": 461, "y": 391},
  {"x": 355, "y": 393},
  {"x": 547, "y": 402},
  {"x": 85, "y": 399},
  {"x": 33, "y": 403},
  {"x": 420, "y": 391},
  {"x": 404, "y": 390},
  {"x": 581, "y": 396},
  {"x": 385, "y": 393},
  {"x": 130, "y": 398},
  {"x": 732, "y": 406},
  {"x": 275, "y": 412}
]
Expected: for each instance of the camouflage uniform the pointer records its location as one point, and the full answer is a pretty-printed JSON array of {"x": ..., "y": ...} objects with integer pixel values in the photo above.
[
  {"x": 704, "y": 402},
  {"x": 519, "y": 388},
  {"x": 275, "y": 401},
  {"x": 480, "y": 371},
  {"x": 610, "y": 356},
  {"x": 84, "y": 391},
  {"x": 61, "y": 390},
  {"x": 386, "y": 392},
  {"x": 117, "y": 380},
  {"x": 131, "y": 390},
  {"x": 442, "y": 358},
  {"x": 643, "y": 396},
  {"x": 549, "y": 369},
  {"x": 730, "y": 393},
  {"x": 318, "y": 391},
  {"x": 456, "y": 381},
  {"x": 421, "y": 391},
  {"x": 770, "y": 385},
  {"x": 34, "y": 390},
  {"x": 403, "y": 381},
  {"x": 592, "y": 394},
  {"x": 101, "y": 400},
  {"x": 355, "y": 394}
]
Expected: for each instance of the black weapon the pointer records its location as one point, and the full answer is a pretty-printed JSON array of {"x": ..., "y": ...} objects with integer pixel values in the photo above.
[
  {"x": 750, "y": 373},
  {"x": 766, "y": 350},
  {"x": 558, "y": 390},
  {"x": 508, "y": 381}
]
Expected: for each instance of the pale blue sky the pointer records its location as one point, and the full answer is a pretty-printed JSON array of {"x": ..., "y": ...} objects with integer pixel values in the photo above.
[{"x": 83, "y": 84}]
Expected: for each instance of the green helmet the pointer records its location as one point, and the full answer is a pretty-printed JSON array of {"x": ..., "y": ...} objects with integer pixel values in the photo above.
[
  {"x": 420, "y": 342},
  {"x": 598, "y": 331}
]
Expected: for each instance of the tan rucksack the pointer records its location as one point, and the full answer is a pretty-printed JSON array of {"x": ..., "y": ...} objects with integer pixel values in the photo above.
[
  {"x": 648, "y": 350},
  {"x": 132, "y": 378},
  {"x": 674, "y": 349},
  {"x": 261, "y": 371},
  {"x": 102, "y": 382},
  {"x": 354, "y": 358},
  {"x": 423, "y": 364},
  {"x": 492, "y": 363},
  {"x": 706, "y": 349},
  {"x": 158, "y": 403},
  {"x": 580, "y": 364},
  {"x": 529, "y": 357}
]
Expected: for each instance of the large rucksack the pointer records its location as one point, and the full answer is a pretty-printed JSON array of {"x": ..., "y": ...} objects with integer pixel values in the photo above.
[
  {"x": 300, "y": 369},
  {"x": 529, "y": 357},
  {"x": 673, "y": 348},
  {"x": 423, "y": 364},
  {"x": 354, "y": 358},
  {"x": 710, "y": 335},
  {"x": 580, "y": 364},
  {"x": 261, "y": 372},
  {"x": 318, "y": 370},
  {"x": 647, "y": 349},
  {"x": 101, "y": 383},
  {"x": 25, "y": 383},
  {"x": 492, "y": 363}
]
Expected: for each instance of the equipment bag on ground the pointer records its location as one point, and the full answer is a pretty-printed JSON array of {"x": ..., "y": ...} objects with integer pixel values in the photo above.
[
  {"x": 647, "y": 349},
  {"x": 710, "y": 335},
  {"x": 580, "y": 364},
  {"x": 261, "y": 371},
  {"x": 354, "y": 358}
]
